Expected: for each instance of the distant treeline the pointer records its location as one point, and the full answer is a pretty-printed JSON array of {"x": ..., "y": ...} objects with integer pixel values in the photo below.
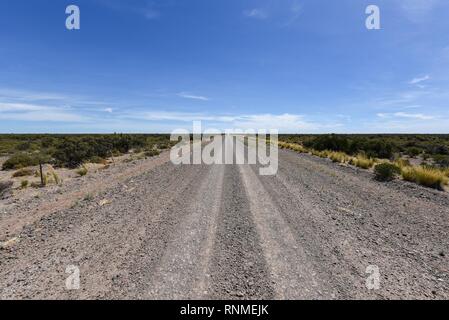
[
  {"x": 385, "y": 146},
  {"x": 72, "y": 150}
]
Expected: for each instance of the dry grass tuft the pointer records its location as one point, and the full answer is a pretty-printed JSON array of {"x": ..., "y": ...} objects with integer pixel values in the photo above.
[
  {"x": 428, "y": 177},
  {"x": 339, "y": 157},
  {"x": 292, "y": 146},
  {"x": 402, "y": 163},
  {"x": 82, "y": 171},
  {"x": 23, "y": 173},
  {"x": 362, "y": 161}
]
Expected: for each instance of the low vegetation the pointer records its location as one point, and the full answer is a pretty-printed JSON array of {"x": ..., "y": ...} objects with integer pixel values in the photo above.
[
  {"x": 23, "y": 173},
  {"x": 434, "y": 176},
  {"x": 339, "y": 157},
  {"x": 55, "y": 177},
  {"x": 386, "y": 171},
  {"x": 20, "y": 160},
  {"x": 152, "y": 153},
  {"x": 429, "y": 177},
  {"x": 402, "y": 163},
  {"x": 362, "y": 161},
  {"x": 383, "y": 146},
  {"x": 82, "y": 171},
  {"x": 71, "y": 151},
  {"x": 24, "y": 184},
  {"x": 88, "y": 197}
]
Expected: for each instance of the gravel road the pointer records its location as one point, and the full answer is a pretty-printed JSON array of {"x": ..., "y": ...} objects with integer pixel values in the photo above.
[{"x": 225, "y": 232}]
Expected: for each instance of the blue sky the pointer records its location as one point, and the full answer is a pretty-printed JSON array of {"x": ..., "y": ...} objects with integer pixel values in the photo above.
[{"x": 301, "y": 66}]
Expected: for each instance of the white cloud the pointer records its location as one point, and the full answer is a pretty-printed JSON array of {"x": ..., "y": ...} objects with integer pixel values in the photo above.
[
  {"x": 33, "y": 112},
  {"x": 286, "y": 122},
  {"x": 419, "y": 116},
  {"x": 7, "y": 107},
  {"x": 42, "y": 116},
  {"x": 22, "y": 95},
  {"x": 172, "y": 116},
  {"x": 416, "y": 116},
  {"x": 406, "y": 99},
  {"x": 150, "y": 13},
  {"x": 147, "y": 9},
  {"x": 419, "y": 79},
  {"x": 282, "y": 122},
  {"x": 295, "y": 12},
  {"x": 418, "y": 10},
  {"x": 282, "y": 13},
  {"x": 192, "y": 96},
  {"x": 256, "y": 13},
  {"x": 108, "y": 110}
]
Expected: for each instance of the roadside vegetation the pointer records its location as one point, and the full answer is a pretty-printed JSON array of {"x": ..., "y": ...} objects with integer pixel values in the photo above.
[
  {"x": 422, "y": 159},
  {"x": 72, "y": 151},
  {"x": 386, "y": 171},
  {"x": 383, "y": 146},
  {"x": 426, "y": 176},
  {"x": 82, "y": 171},
  {"x": 34, "y": 158}
]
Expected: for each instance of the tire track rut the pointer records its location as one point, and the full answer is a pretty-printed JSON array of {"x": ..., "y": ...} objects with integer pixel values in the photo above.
[{"x": 238, "y": 266}]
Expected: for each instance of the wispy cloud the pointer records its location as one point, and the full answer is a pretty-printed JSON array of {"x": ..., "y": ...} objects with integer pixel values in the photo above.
[
  {"x": 30, "y": 106},
  {"x": 405, "y": 99},
  {"x": 179, "y": 116},
  {"x": 15, "y": 107},
  {"x": 256, "y": 13},
  {"x": 283, "y": 13},
  {"x": 288, "y": 123},
  {"x": 417, "y": 116},
  {"x": 418, "y": 10},
  {"x": 146, "y": 8},
  {"x": 283, "y": 122},
  {"x": 43, "y": 116},
  {"x": 187, "y": 95},
  {"x": 295, "y": 12},
  {"x": 37, "y": 113},
  {"x": 24, "y": 95},
  {"x": 419, "y": 79}
]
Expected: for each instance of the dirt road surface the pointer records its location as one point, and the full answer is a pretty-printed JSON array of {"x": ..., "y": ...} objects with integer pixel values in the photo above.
[{"x": 225, "y": 232}]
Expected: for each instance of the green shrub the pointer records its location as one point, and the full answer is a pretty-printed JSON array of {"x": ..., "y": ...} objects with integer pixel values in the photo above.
[
  {"x": 373, "y": 146},
  {"x": 441, "y": 160},
  {"x": 152, "y": 153},
  {"x": 98, "y": 160},
  {"x": 82, "y": 171},
  {"x": 386, "y": 171},
  {"x": 441, "y": 149},
  {"x": 88, "y": 197},
  {"x": 328, "y": 142},
  {"x": 413, "y": 151},
  {"x": 24, "y": 184},
  {"x": 20, "y": 160}
]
